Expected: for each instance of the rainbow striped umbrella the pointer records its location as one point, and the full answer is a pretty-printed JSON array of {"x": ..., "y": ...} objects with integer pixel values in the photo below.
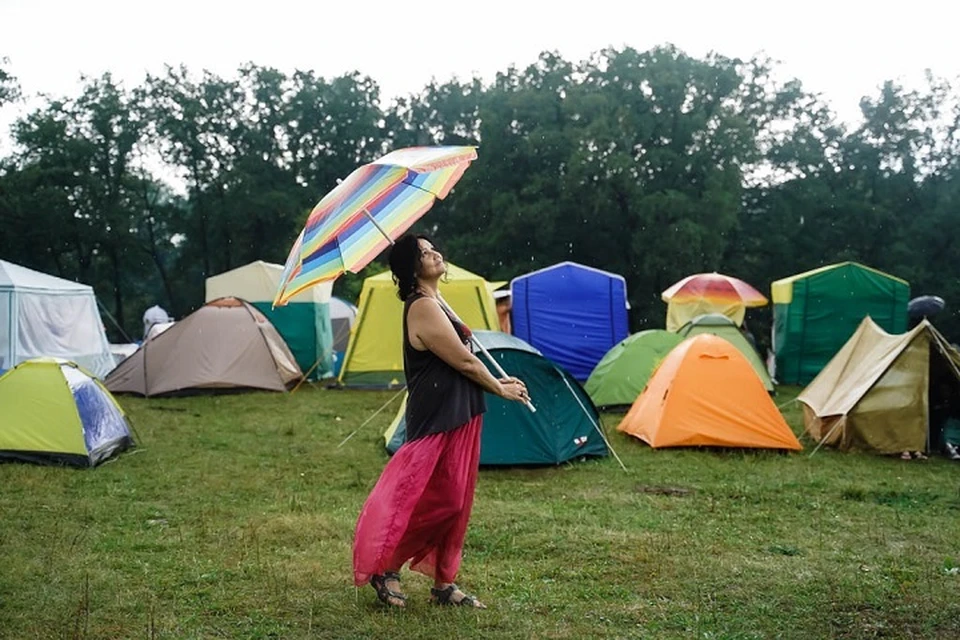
[
  {"x": 714, "y": 287},
  {"x": 359, "y": 218}
]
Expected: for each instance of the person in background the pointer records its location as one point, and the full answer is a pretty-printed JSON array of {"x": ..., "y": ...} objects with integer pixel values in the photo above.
[
  {"x": 750, "y": 337},
  {"x": 154, "y": 315},
  {"x": 419, "y": 509}
]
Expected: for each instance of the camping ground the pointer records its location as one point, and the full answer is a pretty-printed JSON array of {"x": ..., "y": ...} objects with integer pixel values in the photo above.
[{"x": 234, "y": 520}]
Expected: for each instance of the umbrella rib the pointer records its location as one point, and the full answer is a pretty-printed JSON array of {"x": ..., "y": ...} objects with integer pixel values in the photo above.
[{"x": 370, "y": 217}]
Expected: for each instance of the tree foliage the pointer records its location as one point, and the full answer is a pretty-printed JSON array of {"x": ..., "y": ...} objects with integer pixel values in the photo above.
[{"x": 651, "y": 164}]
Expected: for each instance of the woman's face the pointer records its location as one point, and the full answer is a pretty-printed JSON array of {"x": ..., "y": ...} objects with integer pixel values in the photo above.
[{"x": 431, "y": 262}]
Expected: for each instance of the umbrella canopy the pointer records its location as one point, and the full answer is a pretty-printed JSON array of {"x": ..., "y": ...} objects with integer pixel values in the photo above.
[
  {"x": 714, "y": 287},
  {"x": 359, "y": 217},
  {"x": 923, "y": 306}
]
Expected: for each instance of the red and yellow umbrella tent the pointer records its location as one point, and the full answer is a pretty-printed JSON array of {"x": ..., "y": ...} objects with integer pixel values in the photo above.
[{"x": 709, "y": 293}]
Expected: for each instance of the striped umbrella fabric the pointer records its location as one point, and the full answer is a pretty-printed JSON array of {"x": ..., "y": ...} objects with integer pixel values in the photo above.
[
  {"x": 714, "y": 287},
  {"x": 349, "y": 227}
]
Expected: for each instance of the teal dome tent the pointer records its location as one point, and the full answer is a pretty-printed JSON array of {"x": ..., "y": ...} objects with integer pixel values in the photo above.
[{"x": 564, "y": 426}]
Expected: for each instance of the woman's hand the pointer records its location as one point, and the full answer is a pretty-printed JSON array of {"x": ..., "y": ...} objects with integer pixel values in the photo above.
[{"x": 514, "y": 389}]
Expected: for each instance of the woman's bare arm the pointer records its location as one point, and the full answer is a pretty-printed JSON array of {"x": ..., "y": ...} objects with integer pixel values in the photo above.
[{"x": 430, "y": 326}]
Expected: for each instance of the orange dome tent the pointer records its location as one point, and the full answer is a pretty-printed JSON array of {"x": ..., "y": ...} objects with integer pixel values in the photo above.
[{"x": 705, "y": 393}]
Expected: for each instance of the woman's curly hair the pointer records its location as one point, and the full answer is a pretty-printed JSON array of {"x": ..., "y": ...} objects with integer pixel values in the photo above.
[{"x": 404, "y": 262}]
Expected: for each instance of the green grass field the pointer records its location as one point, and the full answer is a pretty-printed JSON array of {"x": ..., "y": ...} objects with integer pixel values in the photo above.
[{"x": 234, "y": 519}]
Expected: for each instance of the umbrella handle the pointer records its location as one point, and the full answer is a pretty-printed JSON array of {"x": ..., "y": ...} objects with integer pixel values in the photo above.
[
  {"x": 496, "y": 365},
  {"x": 476, "y": 343}
]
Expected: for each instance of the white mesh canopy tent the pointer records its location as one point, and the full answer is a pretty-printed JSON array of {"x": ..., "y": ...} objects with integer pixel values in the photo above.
[{"x": 42, "y": 315}]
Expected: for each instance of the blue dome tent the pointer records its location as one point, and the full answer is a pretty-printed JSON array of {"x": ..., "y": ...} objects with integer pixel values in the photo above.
[{"x": 571, "y": 313}]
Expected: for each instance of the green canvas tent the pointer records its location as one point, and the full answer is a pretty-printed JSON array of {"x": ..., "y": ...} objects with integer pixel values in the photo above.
[
  {"x": 720, "y": 325},
  {"x": 565, "y": 423},
  {"x": 623, "y": 372},
  {"x": 304, "y": 323},
  {"x": 54, "y": 412},
  {"x": 816, "y": 312},
  {"x": 886, "y": 393}
]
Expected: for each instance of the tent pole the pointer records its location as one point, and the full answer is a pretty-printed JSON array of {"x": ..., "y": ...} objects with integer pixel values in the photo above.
[
  {"x": 594, "y": 423},
  {"x": 826, "y": 437},
  {"x": 385, "y": 405},
  {"x": 306, "y": 375},
  {"x": 113, "y": 320},
  {"x": 787, "y": 403}
]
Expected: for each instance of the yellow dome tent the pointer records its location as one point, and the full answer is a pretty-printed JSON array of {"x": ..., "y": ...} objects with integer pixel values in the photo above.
[
  {"x": 374, "y": 357},
  {"x": 52, "y": 411}
]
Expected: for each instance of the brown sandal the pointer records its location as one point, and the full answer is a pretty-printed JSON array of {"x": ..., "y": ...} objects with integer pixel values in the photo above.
[
  {"x": 384, "y": 593},
  {"x": 445, "y": 597}
]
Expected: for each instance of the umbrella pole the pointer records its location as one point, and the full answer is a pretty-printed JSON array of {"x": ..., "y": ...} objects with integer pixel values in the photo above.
[
  {"x": 483, "y": 349},
  {"x": 377, "y": 225},
  {"x": 496, "y": 365}
]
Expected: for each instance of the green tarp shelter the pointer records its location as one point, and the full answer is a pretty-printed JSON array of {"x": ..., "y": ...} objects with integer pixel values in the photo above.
[
  {"x": 623, "y": 371},
  {"x": 565, "y": 423},
  {"x": 816, "y": 312},
  {"x": 720, "y": 325}
]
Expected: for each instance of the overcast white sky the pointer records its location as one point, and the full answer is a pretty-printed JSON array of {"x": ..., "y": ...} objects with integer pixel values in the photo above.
[{"x": 843, "y": 49}]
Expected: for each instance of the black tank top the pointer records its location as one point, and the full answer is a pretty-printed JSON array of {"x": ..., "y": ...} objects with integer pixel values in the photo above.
[{"x": 440, "y": 398}]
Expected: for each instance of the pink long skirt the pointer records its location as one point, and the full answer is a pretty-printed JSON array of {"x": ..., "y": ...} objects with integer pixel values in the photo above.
[{"x": 419, "y": 509}]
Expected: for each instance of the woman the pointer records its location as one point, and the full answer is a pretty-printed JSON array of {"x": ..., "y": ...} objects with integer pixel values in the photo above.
[{"x": 419, "y": 509}]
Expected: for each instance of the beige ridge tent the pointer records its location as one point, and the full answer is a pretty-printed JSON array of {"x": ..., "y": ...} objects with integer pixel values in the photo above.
[
  {"x": 877, "y": 392},
  {"x": 225, "y": 344}
]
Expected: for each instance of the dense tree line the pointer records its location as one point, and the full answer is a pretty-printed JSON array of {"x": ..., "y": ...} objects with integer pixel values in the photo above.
[{"x": 653, "y": 165}]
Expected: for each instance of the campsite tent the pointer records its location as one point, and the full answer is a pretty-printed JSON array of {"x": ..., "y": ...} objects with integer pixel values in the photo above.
[
  {"x": 304, "y": 323},
  {"x": 876, "y": 394},
  {"x": 563, "y": 427},
  {"x": 504, "y": 305},
  {"x": 816, "y": 312},
  {"x": 225, "y": 344},
  {"x": 54, "y": 412},
  {"x": 624, "y": 371},
  {"x": 342, "y": 316},
  {"x": 374, "y": 357},
  {"x": 705, "y": 393},
  {"x": 573, "y": 314},
  {"x": 720, "y": 325},
  {"x": 41, "y": 315}
]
